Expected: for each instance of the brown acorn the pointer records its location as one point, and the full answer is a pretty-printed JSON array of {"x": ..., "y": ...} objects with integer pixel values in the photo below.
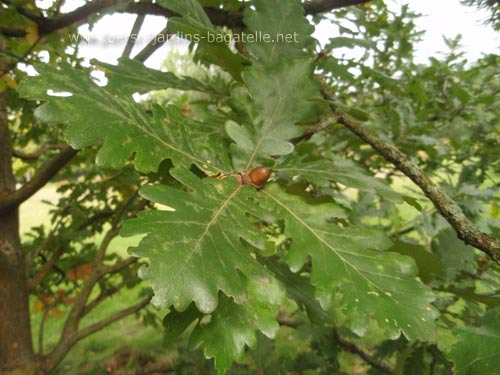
[{"x": 256, "y": 177}]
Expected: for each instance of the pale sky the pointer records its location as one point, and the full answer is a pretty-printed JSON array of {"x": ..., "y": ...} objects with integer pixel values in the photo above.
[{"x": 441, "y": 17}]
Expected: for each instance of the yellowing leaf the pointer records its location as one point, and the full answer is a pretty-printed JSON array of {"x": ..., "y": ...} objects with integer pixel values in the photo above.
[
  {"x": 80, "y": 272},
  {"x": 32, "y": 34},
  {"x": 9, "y": 81}
]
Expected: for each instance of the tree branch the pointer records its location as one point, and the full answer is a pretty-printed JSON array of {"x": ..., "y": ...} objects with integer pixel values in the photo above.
[
  {"x": 107, "y": 293},
  {"x": 42, "y": 176},
  {"x": 363, "y": 354},
  {"x": 37, "y": 153},
  {"x": 14, "y": 33},
  {"x": 136, "y": 28},
  {"x": 70, "y": 333},
  {"x": 153, "y": 45},
  {"x": 217, "y": 16},
  {"x": 76, "y": 17},
  {"x": 448, "y": 208},
  {"x": 283, "y": 320},
  {"x": 323, "y": 6},
  {"x": 111, "y": 319},
  {"x": 45, "y": 268}
]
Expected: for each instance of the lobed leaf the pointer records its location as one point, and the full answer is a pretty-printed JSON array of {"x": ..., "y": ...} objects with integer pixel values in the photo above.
[
  {"x": 232, "y": 326},
  {"x": 340, "y": 170},
  {"x": 350, "y": 271},
  {"x": 189, "y": 9},
  {"x": 197, "y": 250},
  {"x": 94, "y": 114},
  {"x": 131, "y": 76},
  {"x": 478, "y": 350},
  {"x": 279, "y": 29},
  {"x": 274, "y": 100}
]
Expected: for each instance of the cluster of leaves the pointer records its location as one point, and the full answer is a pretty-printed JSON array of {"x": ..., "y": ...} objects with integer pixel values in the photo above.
[{"x": 224, "y": 258}]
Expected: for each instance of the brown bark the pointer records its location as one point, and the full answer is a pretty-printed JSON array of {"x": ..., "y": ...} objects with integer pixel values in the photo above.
[
  {"x": 42, "y": 176},
  {"x": 16, "y": 349}
]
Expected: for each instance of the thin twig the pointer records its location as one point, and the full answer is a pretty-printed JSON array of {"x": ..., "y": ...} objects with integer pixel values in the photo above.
[
  {"x": 111, "y": 319},
  {"x": 107, "y": 293},
  {"x": 43, "y": 175},
  {"x": 161, "y": 38},
  {"x": 45, "y": 268},
  {"x": 31, "y": 256},
  {"x": 37, "y": 153},
  {"x": 363, "y": 354},
  {"x": 133, "y": 35},
  {"x": 71, "y": 334},
  {"x": 12, "y": 65}
]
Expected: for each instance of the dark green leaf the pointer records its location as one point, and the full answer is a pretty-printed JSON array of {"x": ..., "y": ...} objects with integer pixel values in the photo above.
[
  {"x": 197, "y": 250},
  {"x": 478, "y": 350},
  {"x": 351, "y": 273},
  {"x": 94, "y": 114},
  {"x": 277, "y": 98},
  {"x": 343, "y": 171},
  {"x": 429, "y": 266},
  {"x": 188, "y": 9},
  {"x": 232, "y": 326},
  {"x": 283, "y": 23},
  {"x": 131, "y": 76}
]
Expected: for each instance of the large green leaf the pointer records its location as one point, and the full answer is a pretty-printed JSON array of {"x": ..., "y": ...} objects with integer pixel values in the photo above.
[
  {"x": 197, "y": 250},
  {"x": 188, "y": 9},
  {"x": 96, "y": 115},
  {"x": 299, "y": 288},
  {"x": 131, "y": 76},
  {"x": 213, "y": 45},
  {"x": 279, "y": 29},
  {"x": 224, "y": 334},
  {"x": 274, "y": 100},
  {"x": 195, "y": 26},
  {"x": 455, "y": 256},
  {"x": 350, "y": 271},
  {"x": 478, "y": 350},
  {"x": 232, "y": 326},
  {"x": 343, "y": 171},
  {"x": 429, "y": 266}
]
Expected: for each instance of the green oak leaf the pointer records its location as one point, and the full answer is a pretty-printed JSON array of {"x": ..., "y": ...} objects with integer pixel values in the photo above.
[
  {"x": 343, "y": 171},
  {"x": 412, "y": 362},
  {"x": 232, "y": 326},
  {"x": 299, "y": 288},
  {"x": 429, "y": 266},
  {"x": 96, "y": 115},
  {"x": 197, "y": 250},
  {"x": 213, "y": 46},
  {"x": 283, "y": 23},
  {"x": 131, "y": 76},
  {"x": 342, "y": 41},
  {"x": 274, "y": 100},
  {"x": 455, "y": 256},
  {"x": 195, "y": 26},
  {"x": 478, "y": 350},
  {"x": 188, "y": 9},
  {"x": 351, "y": 272},
  {"x": 176, "y": 322}
]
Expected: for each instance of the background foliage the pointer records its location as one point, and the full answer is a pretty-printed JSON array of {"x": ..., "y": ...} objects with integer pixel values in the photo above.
[{"x": 338, "y": 264}]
